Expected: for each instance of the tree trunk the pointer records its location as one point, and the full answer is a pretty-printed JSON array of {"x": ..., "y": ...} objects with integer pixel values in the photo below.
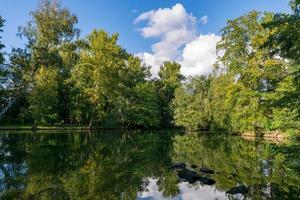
[
  {"x": 34, "y": 126},
  {"x": 10, "y": 103},
  {"x": 91, "y": 122}
]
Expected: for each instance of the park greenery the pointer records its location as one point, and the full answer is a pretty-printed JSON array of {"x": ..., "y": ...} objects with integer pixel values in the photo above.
[{"x": 60, "y": 78}]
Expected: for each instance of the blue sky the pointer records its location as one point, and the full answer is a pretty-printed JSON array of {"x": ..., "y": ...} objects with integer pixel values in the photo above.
[{"x": 118, "y": 16}]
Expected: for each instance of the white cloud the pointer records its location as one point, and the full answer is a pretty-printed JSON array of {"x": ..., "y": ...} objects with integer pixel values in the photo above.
[
  {"x": 178, "y": 40},
  {"x": 204, "y": 19},
  {"x": 152, "y": 60},
  {"x": 174, "y": 26},
  {"x": 199, "y": 55}
]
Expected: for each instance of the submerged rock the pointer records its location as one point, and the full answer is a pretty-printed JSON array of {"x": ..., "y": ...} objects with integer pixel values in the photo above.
[
  {"x": 239, "y": 189},
  {"x": 207, "y": 181},
  {"x": 191, "y": 177},
  {"x": 178, "y": 166},
  {"x": 188, "y": 175},
  {"x": 206, "y": 170},
  {"x": 194, "y": 166}
]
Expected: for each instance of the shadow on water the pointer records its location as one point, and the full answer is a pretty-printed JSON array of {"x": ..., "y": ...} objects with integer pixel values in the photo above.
[{"x": 136, "y": 165}]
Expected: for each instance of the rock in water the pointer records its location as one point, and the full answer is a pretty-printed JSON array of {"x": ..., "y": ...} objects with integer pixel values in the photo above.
[
  {"x": 178, "y": 166},
  {"x": 191, "y": 177},
  {"x": 206, "y": 170},
  {"x": 239, "y": 189},
  {"x": 188, "y": 175},
  {"x": 207, "y": 181},
  {"x": 194, "y": 166}
]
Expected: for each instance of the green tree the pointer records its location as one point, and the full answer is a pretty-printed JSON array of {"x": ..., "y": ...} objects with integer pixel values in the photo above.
[
  {"x": 191, "y": 104},
  {"x": 220, "y": 104},
  {"x": 114, "y": 83},
  {"x": 50, "y": 36},
  {"x": 3, "y": 72},
  {"x": 18, "y": 76},
  {"x": 169, "y": 79},
  {"x": 98, "y": 73},
  {"x": 258, "y": 74},
  {"x": 285, "y": 42},
  {"x": 1, "y": 45},
  {"x": 43, "y": 97}
]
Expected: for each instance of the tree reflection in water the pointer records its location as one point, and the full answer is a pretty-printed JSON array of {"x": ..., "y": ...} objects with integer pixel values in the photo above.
[{"x": 135, "y": 165}]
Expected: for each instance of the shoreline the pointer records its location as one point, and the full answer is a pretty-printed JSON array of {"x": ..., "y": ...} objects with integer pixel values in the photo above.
[{"x": 278, "y": 135}]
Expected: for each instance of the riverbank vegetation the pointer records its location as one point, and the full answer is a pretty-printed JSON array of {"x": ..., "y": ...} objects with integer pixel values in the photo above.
[{"x": 60, "y": 78}]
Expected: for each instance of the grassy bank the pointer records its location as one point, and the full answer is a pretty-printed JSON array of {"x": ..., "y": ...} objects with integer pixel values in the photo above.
[
  {"x": 276, "y": 134},
  {"x": 28, "y": 127}
]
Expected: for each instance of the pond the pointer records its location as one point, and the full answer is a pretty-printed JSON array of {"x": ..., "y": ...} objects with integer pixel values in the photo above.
[{"x": 137, "y": 165}]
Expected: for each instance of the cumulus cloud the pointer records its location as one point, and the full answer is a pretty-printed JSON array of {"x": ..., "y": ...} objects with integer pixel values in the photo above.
[
  {"x": 199, "y": 55},
  {"x": 178, "y": 40},
  {"x": 152, "y": 60},
  {"x": 204, "y": 20},
  {"x": 174, "y": 26}
]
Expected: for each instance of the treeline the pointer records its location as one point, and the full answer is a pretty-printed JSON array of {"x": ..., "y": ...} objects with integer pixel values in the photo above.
[
  {"x": 256, "y": 82},
  {"x": 59, "y": 78}
]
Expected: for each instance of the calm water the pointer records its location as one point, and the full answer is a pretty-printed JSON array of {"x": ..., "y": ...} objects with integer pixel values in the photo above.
[{"x": 136, "y": 165}]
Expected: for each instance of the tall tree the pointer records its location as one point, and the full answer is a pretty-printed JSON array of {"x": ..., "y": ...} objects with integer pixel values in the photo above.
[
  {"x": 113, "y": 82},
  {"x": 259, "y": 76},
  {"x": 285, "y": 42},
  {"x": 3, "y": 71},
  {"x": 169, "y": 79},
  {"x": 97, "y": 73},
  {"x": 50, "y": 35},
  {"x": 1, "y": 45},
  {"x": 191, "y": 104}
]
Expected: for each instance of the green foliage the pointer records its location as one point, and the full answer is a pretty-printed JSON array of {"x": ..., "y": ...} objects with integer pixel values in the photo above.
[
  {"x": 252, "y": 89},
  {"x": 285, "y": 42},
  {"x": 1, "y": 45},
  {"x": 191, "y": 104},
  {"x": 3, "y": 70},
  {"x": 43, "y": 97},
  {"x": 144, "y": 110},
  {"x": 59, "y": 78},
  {"x": 262, "y": 81},
  {"x": 114, "y": 82},
  {"x": 50, "y": 47},
  {"x": 220, "y": 102},
  {"x": 283, "y": 118},
  {"x": 169, "y": 79}
]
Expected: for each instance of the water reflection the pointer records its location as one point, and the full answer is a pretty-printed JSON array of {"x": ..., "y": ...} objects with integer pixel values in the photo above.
[{"x": 136, "y": 165}]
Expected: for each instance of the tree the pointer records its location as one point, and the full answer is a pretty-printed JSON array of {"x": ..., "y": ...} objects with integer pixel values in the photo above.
[
  {"x": 220, "y": 104},
  {"x": 43, "y": 97},
  {"x": 18, "y": 76},
  {"x": 50, "y": 36},
  {"x": 114, "y": 83},
  {"x": 257, "y": 73},
  {"x": 169, "y": 79},
  {"x": 97, "y": 75},
  {"x": 285, "y": 42},
  {"x": 144, "y": 111},
  {"x": 191, "y": 104},
  {"x": 3, "y": 71},
  {"x": 1, "y": 45}
]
